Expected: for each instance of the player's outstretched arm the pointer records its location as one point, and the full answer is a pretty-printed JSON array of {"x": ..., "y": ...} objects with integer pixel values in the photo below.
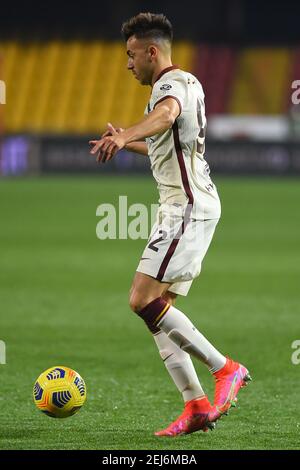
[{"x": 156, "y": 122}]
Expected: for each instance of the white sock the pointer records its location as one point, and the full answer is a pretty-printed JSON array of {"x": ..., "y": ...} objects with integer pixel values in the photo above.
[
  {"x": 180, "y": 367},
  {"x": 181, "y": 330}
]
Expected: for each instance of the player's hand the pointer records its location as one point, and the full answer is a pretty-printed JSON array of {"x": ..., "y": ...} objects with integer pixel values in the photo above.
[
  {"x": 109, "y": 144},
  {"x": 106, "y": 148},
  {"x": 111, "y": 130}
]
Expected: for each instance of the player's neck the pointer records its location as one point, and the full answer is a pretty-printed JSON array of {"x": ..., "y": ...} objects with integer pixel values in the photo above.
[{"x": 161, "y": 67}]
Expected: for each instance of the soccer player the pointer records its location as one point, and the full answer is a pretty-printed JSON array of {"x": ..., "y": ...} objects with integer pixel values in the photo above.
[{"x": 172, "y": 133}]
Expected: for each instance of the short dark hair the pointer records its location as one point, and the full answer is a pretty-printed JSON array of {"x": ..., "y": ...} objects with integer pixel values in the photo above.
[{"x": 148, "y": 25}]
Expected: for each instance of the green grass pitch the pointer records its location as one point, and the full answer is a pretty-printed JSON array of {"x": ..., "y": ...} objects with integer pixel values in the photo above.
[{"x": 64, "y": 300}]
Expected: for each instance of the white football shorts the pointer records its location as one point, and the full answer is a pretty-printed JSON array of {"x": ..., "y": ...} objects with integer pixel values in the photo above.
[{"x": 176, "y": 248}]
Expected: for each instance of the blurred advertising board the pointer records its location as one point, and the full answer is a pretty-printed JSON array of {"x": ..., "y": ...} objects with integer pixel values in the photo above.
[{"x": 68, "y": 154}]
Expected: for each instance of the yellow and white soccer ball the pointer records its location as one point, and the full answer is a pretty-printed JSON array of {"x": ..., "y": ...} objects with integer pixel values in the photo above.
[{"x": 59, "y": 392}]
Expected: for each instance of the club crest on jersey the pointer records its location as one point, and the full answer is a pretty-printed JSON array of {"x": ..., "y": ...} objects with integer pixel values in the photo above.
[{"x": 165, "y": 87}]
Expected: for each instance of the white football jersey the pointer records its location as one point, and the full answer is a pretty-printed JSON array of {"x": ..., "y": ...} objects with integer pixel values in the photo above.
[{"x": 177, "y": 155}]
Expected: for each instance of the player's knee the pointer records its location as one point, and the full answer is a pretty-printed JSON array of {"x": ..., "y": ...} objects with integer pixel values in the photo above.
[
  {"x": 150, "y": 309},
  {"x": 134, "y": 305},
  {"x": 137, "y": 301},
  {"x": 169, "y": 297}
]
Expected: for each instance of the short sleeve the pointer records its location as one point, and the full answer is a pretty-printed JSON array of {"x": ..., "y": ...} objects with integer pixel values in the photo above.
[{"x": 168, "y": 89}]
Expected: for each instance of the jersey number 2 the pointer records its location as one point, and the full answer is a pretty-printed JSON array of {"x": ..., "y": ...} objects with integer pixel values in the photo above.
[{"x": 157, "y": 240}]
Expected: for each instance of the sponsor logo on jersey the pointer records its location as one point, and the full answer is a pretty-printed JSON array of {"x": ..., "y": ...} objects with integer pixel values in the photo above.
[{"x": 166, "y": 87}]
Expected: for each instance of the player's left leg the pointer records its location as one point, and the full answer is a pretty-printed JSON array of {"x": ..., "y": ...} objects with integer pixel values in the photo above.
[
  {"x": 182, "y": 371},
  {"x": 147, "y": 299},
  {"x": 178, "y": 362}
]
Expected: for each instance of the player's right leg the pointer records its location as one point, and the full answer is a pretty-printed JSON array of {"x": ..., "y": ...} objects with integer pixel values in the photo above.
[{"x": 228, "y": 381}]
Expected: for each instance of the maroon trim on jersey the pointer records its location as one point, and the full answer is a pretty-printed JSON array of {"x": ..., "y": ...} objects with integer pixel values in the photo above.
[
  {"x": 190, "y": 196},
  {"x": 180, "y": 159},
  {"x": 174, "y": 98},
  {"x": 168, "y": 69}
]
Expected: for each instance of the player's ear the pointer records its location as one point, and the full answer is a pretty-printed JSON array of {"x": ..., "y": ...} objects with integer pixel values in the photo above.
[{"x": 152, "y": 51}]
